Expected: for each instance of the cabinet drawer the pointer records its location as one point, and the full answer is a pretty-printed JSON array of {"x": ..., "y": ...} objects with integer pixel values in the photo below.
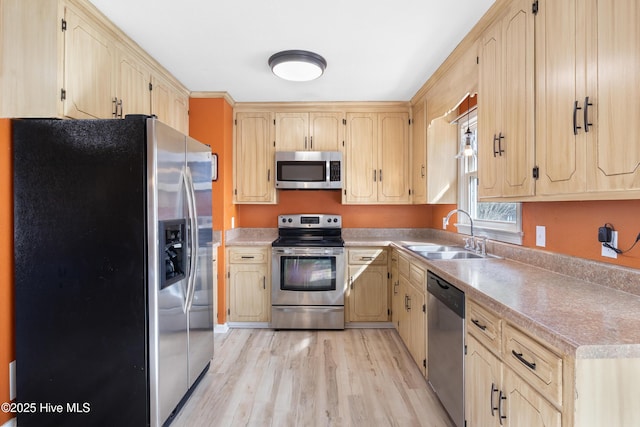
[
  {"x": 533, "y": 361},
  {"x": 485, "y": 326},
  {"x": 417, "y": 276},
  {"x": 368, "y": 256},
  {"x": 248, "y": 255}
]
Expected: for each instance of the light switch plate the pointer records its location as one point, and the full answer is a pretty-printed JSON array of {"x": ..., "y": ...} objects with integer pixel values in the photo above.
[
  {"x": 541, "y": 236},
  {"x": 609, "y": 253}
]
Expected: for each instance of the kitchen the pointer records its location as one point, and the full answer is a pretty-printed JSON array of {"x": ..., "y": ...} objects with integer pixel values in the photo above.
[{"x": 571, "y": 223}]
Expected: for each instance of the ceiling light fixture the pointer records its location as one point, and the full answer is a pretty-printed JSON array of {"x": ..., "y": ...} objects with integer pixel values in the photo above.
[{"x": 297, "y": 65}]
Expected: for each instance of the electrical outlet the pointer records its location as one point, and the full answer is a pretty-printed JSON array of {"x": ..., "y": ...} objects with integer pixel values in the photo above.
[
  {"x": 541, "y": 236},
  {"x": 610, "y": 253}
]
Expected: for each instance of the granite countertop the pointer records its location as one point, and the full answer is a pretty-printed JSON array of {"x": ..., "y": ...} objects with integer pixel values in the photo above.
[
  {"x": 562, "y": 300},
  {"x": 577, "y": 317}
]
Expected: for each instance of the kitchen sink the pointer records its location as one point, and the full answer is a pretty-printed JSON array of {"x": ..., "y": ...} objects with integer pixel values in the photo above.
[
  {"x": 433, "y": 248},
  {"x": 459, "y": 254}
]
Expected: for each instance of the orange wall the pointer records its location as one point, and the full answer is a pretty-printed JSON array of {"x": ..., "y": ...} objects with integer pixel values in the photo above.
[
  {"x": 353, "y": 216},
  {"x": 7, "y": 350},
  {"x": 211, "y": 122}
]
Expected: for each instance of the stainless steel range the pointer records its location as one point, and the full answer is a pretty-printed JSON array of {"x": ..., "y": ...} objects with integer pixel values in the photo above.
[{"x": 308, "y": 273}]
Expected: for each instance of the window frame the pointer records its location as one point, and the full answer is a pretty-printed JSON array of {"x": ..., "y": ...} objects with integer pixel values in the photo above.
[{"x": 494, "y": 230}]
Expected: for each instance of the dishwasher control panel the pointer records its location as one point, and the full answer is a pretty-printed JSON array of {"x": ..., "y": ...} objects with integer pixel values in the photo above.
[{"x": 444, "y": 291}]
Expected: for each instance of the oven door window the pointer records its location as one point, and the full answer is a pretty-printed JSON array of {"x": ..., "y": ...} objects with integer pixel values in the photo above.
[{"x": 308, "y": 273}]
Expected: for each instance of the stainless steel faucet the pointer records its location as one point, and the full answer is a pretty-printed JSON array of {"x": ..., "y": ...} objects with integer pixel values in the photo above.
[{"x": 446, "y": 220}]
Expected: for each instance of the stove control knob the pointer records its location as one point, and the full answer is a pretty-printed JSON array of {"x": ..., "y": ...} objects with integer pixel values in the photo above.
[
  {"x": 335, "y": 219},
  {"x": 290, "y": 220},
  {"x": 284, "y": 220},
  {"x": 328, "y": 219}
]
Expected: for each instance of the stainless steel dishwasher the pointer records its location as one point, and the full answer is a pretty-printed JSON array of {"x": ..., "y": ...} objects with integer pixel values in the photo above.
[{"x": 446, "y": 345}]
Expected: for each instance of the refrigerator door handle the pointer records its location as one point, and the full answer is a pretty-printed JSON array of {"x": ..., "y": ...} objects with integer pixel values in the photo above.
[{"x": 194, "y": 241}]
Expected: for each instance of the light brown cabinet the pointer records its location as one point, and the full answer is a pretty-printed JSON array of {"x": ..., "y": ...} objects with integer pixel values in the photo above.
[
  {"x": 409, "y": 309},
  {"x": 511, "y": 379},
  {"x": 377, "y": 158},
  {"x": 63, "y": 59},
  {"x": 506, "y": 145},
  {"x": 366, "y": 298},
  {"x": 587, "y": 62},
  {"x": 315, "y": 131},
  {"x": 170, "y": 104},
  {"x": 249, "y": 287},
  {"x": 253, "y": 158}
]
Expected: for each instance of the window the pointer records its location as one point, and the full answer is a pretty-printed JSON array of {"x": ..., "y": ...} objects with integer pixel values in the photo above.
[{"x": 497, "y": 220}]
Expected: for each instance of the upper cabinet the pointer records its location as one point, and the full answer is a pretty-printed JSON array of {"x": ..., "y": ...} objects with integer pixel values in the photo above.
[
  {"x": 316, "y": 131},
  {"x": 253, "y": 158},
  {"x": 376, "y": 155},
  {"x": 506, "y": 145},
  {"x": 588, "y": 60},
  {"x": 64, "y": 59}
]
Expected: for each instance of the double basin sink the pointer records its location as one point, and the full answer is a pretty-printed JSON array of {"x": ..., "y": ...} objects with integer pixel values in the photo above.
[{"x": 433, "y": 252}]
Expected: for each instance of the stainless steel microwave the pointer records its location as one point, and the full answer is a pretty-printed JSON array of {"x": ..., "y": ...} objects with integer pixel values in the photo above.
[{"x": 309, "y": 170}]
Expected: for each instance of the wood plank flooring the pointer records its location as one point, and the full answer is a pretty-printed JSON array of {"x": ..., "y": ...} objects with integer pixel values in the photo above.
[{"x": 355, "y": 377}]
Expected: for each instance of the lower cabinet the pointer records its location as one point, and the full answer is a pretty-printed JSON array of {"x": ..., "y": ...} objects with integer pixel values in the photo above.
[
  {"x": 249, "y": 284},
  {"x": 511, "y": 379},
  {"x": 409, "y": 309},
  {"x": 366, "y": 299}
]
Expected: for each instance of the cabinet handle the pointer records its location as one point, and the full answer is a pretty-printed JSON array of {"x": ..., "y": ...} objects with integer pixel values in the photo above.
[
  {"x": 247, "y": 257},
  {"x": 268, "y": 175},
  {"x": 575, "y": 118},
  {"x": 500, "y": 399},
  {"x": 114, "y": 110},
  {"x": 351, "y": 282},
  {"x": 380, "y": 175},
  {"x": 366, "y": 258},
  {"x": 477, "y": 323},
  {"x": 374, "y": 175},
  {"x": 264, "y": 282},
  {"x": 587, "y": 104},
  {"x": 422, "y": 171},
  {"x": 395, "y": 288},
  {"x": 405, "y": 301},
  {"x": 530, "y": 365},
  {"x": 493, "y": 390},
  {"x": 311, "y": 141},
  {"x": 119, "y": 115},
  {"x": 408, "y": 303},
  {"x": 305, "y": 142},
  {"x": 500, "y": 138}
]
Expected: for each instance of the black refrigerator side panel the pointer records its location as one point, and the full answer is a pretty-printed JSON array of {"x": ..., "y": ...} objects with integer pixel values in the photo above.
[{"x": 80, "y": 272}]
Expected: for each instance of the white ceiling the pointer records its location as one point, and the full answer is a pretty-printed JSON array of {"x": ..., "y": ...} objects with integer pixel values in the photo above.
[{"x": 376, "y": 50}]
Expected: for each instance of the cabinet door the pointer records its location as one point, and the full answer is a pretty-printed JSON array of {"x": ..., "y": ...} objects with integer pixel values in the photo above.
[
  {"x": 161, "y": 99},
  {"x": 560, "y": 153},
  {"x": 132, "y": 89},
  {"x": 393, "y": 157},
  {"x": 518, "y": 103},
  {"x": 613, "y": 66},
  {"x": 397, "y": 298},
  {"x": 248, "y": 293},
  {"x": 442, "y": 168},
  {"x": 253, "y": 159},
  {"x": 292, "y": 131},
  {"x": 489, "y": 107},
  {"x": 404, "y": 324},
  {"x": 89, "y": 70},
  {"x": 483, "y": 379},
  {"x": 525, "y": 407},
  {"x": 417, "y": 330},
  {"x": 326, "y": 131},
  {"x": 419, "y": 154},
  {"x": 367, "y": 297},
  {"x": 361, "y": 158}
]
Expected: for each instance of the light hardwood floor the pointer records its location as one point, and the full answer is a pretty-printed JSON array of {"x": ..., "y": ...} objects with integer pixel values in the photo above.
[{"x": 355, "y": 377}]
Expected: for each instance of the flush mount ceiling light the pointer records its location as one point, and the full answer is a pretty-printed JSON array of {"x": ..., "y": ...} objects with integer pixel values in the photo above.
[{"x": 297, "y": 65}]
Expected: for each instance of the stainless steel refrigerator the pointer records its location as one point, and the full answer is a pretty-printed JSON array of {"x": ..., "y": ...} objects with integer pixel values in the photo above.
[{"x": 113, "y": 270}]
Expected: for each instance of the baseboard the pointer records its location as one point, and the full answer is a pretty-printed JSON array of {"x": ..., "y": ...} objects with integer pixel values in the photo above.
[
  {"x": 10, "y": 423},
  {"x": 368, "y": 325},
  {"x": 249, "y": 325},
  {"x": 221, "y": 329}
]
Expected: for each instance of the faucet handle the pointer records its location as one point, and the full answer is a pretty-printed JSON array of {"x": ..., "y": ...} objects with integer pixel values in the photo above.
[{"x": 469, "y": 243}]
